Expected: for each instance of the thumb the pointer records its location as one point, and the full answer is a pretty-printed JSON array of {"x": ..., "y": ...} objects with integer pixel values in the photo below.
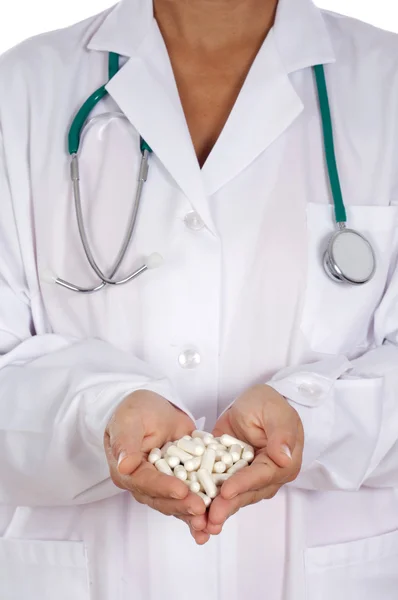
[
  {"x": 282, "y": 438},
  {"x": 125, "y": 439},
  {"x": 182, "y": 425}
]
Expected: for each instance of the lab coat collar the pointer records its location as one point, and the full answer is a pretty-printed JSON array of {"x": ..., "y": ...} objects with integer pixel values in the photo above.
[
  {"x": 124, "y": 27},
  {"x": 300, "y": 31},
  {"x": 301, "y": 35}
]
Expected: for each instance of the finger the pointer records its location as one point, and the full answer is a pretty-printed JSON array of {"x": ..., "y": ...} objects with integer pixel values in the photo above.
[
  {"x": 149, "y": 481},
  {"x": 258, "y": 475},
  {"x": 223, "y": 426},
  {"x": 200, "y": 536},
  {"x": 282, "y": 429},
  {"x": 221, "y": 509},
  {"x": 192, "y": 507},
  {"x": 124, "y": 436},
  {"x": 213, "y": 528},
  {"x": 184, "y": 425},
  {"x": 193, "y": 522}
]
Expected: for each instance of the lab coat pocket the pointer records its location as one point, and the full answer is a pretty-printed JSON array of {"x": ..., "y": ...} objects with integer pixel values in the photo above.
[
  {"x": 362, "y": 570},
  {"x": 336, "y": 316},
  {"x": 45, "y": 570}
]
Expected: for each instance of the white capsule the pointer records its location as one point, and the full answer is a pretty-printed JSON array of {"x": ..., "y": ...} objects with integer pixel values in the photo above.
[
  {"x": 237, "y": 466},
  {"x": 163, "y": 467},
  {"x": 194, "y": 486},
  {"x": 199, "y": 442},
  {"x": 228, "y": 440},
  {"x": 172, "y": 461},
  {"x": 219, "y": 478},
  {"x": 220, "y": 454},
  {"x": 213, "y": 446},
  {"x": 227, "y": 459},
  {"x": 205, "y": 498},
  {"x": 190, "y": 447},
  {"x": 201, "y": 434},
  {"x": 192, "y": 476},
  {"x": 248, "y": 453},
  {"x": 217, "y": 447},
  {"x": 181, "y": 454},
  {"x": 154, "y": 455},
  {"x": 208, "y": 460},
  {"x": 193, "y": 464},
  {"x": 208, "y": 440},
  {"x": 186, "y": 437},
  {"x": 235, "y": 451},
  {"x": 206, "y": 480},
  {"x": 180, "y": 472},
  {"x": 219, "y": 467},
  {"x": 165, "y": 448}
]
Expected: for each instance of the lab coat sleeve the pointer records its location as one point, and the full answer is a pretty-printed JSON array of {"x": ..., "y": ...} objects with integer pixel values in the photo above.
[
  {"x": 349, "y": 410},
  {"x": 56, "y": 393}
]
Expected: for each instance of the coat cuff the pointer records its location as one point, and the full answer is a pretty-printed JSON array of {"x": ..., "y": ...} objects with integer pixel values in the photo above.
[{"x": 309, "y": 390}]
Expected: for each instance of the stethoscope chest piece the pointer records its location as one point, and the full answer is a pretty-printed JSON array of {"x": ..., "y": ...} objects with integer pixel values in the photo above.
[{"x": 349, "y": 258}]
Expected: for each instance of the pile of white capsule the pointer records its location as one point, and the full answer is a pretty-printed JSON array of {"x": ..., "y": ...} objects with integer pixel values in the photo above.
[{"x": 202, "y": 461}]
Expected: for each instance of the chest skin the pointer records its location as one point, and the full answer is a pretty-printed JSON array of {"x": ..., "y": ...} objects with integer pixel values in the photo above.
[{"x": 209, "y": 83}]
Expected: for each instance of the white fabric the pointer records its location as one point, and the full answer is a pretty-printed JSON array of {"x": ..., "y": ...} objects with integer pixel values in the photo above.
[{"x": 247, "y": 291}]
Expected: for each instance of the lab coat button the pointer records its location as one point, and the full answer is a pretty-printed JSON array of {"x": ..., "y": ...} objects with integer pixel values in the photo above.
[
  {"x": 311, "y": 390},
  {"x": 193, "y": 221},
  {"x": 189, "y": 359}
]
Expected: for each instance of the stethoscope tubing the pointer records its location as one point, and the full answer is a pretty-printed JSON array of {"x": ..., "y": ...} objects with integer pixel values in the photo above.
[{"x": 82, "y": 122}]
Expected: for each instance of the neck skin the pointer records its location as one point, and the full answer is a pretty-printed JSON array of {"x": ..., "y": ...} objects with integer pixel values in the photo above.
[{"x": 215, "y": 24}]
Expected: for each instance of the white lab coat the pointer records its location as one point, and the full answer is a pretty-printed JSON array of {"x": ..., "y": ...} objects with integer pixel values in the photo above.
[{"x": 246, "y": 291}]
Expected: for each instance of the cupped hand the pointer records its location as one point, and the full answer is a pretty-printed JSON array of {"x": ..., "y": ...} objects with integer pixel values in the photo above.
[
  {"x": 265, "y": 420},
  {"x": 145, "y": 420}
]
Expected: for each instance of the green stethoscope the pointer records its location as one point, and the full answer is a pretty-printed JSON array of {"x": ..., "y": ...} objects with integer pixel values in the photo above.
[{"x": 348, "y": 258}]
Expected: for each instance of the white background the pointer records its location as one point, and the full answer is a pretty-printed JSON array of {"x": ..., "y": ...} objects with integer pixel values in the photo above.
[{"x": 21, "y": 19}]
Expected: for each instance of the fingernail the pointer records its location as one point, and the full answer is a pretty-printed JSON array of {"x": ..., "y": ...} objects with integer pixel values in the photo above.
[
  {"x": 121, "y": 458},
  {"x": 286, "y": 450}
]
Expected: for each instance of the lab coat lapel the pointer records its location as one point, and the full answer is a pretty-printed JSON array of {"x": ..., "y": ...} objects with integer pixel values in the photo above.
[
  {"x": 265, "y": 108},
  {"x": 146, "y": 92},
  {"x": 268, "y": 103}
]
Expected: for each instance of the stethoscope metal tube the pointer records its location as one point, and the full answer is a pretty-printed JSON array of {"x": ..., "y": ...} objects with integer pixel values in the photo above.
[
  {"x": 143, "y": 173},
  {"x": 105, "y": 280}
]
